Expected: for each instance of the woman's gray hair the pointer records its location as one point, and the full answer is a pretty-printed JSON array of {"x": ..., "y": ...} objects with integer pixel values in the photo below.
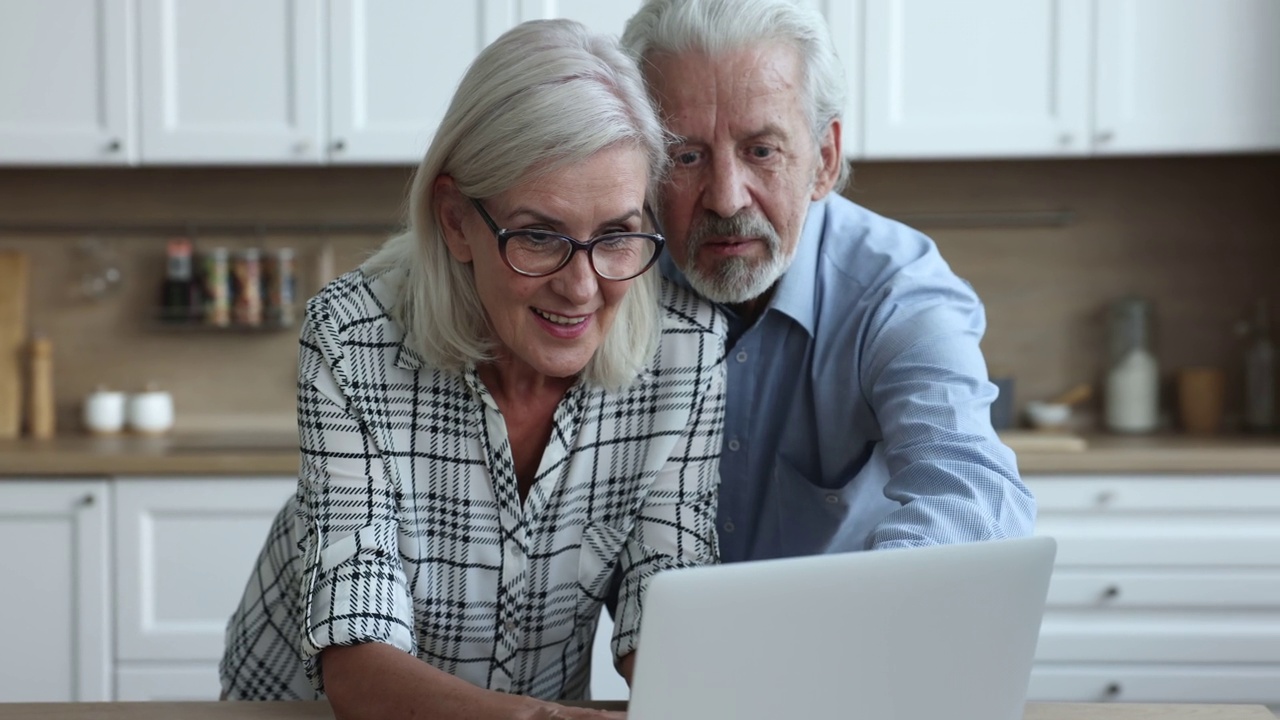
[
  {"x": 546, "y": 94},
  {"x": 718, "y": 26}
]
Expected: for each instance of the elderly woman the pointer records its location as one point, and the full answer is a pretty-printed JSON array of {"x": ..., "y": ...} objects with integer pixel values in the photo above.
[{"x": 497, "y": 411}]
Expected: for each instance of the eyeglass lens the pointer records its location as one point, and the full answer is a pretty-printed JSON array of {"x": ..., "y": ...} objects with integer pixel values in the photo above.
[{"x": 615, "y": 257}]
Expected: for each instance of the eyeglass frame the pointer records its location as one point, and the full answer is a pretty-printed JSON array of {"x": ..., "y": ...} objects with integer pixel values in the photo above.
[{"x": 504, "y": 235}]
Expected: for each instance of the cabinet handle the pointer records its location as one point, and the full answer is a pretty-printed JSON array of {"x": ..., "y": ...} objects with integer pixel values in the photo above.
[
  {"x": 301, "y": 147},
  {"x": 1112, "y": 690},
  {"x": 1065, "y": 139},
  {"x": 114, "y": 145},
  {"x": 1111, "y": 593},
  {"x": 339, "y": 145},
  {"x": 1105, "y": 497},
  {"x": 88, "y": 500},
  {"x": 1104, "y": 136}
]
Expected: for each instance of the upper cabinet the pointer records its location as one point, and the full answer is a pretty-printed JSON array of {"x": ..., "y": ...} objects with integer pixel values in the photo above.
[
  {"x": 1177, "y": 76},
  {"x": 388, "y": 86},
  {"x": 1024, "y": 78},
  {"x": 607, "y": 17},
  {"x": 65, "y": 82},
  {"x": 230, "y": 81},
  {"x": 992, "y": 78},
  {"x": 279, "y": 82}
]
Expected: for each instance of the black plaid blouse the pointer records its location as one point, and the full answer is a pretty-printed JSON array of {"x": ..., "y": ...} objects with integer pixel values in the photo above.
[{"x": 408, "y": 528}]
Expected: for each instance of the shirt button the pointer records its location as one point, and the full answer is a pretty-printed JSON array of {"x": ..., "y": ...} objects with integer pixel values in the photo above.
[
  {"x": 729, "y": 526},
  {"x": 742, "y": 356},
  {"x": 833, "y": 498},
  {"x": 511, "y": 626},
  {"x": 734, "y": 445}
]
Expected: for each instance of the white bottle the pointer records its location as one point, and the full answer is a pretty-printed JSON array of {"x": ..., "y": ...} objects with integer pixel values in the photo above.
[{"x": 1133, "y": 393}]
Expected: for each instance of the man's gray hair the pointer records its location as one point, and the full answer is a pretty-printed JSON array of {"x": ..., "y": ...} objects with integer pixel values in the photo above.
[
  {"x": 718, "y": 26},
  {"x": 545, "y": 95}
]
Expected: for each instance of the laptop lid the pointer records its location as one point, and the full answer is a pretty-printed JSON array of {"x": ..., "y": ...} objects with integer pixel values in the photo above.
[{"x": 911, "y": 634}]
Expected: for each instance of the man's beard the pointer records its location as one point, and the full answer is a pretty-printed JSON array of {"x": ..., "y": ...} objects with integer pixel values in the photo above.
[{"x": 735, "y": 279}]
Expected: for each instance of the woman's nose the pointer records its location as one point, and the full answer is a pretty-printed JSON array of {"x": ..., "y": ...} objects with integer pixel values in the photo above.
[{"x": 577, "y": 281}]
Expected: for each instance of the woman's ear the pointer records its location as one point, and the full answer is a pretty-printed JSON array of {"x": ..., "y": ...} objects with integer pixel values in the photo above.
[{"x": 450, "y": 208}]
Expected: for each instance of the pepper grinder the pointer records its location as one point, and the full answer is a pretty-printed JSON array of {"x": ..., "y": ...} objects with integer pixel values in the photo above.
[{"x": 41, "y": 408}]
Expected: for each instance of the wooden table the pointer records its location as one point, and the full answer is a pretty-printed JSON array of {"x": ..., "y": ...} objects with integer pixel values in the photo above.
[{"x": 320, "y": 711}]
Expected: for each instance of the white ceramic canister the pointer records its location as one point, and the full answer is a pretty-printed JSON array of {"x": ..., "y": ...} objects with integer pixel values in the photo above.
[
  {"x": 104, "y": 411},
  {"x": 151, "y": 411}
]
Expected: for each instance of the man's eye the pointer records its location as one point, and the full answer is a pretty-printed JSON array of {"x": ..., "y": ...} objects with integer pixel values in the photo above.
[
  {"x": 760, "y": 152},
  {"x": 688, "y": 157}
]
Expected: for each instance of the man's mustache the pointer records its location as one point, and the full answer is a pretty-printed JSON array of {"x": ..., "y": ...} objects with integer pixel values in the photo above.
[{"x": 740, "y": 225}]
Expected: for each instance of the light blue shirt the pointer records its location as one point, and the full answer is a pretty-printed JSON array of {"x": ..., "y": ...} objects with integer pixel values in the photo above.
[{"x": 858, "y": 404}]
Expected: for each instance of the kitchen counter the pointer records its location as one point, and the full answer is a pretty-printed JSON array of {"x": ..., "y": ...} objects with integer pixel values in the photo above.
[
  {"x": 116, "y": 455},
  {"x": 1159, "y": 454},
  {"x": 321, "y": 711},
  {"x": 276, "y": 453}
]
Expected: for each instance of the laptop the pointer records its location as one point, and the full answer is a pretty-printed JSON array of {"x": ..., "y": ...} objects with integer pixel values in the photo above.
[{"x": 910, "y": 634}]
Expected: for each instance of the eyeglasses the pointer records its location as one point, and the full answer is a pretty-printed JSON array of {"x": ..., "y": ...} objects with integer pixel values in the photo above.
[{"x": 613, "y": 256}]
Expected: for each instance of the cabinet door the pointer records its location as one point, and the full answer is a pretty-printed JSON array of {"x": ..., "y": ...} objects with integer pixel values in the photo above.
[
  {"x": 184, "y": 550},
  {"x": 388, "y": 87},
  {"x": 57, "y": 645},
  {"x": 992, "y": 78},
  {"x": 606, "y": 17},
  {"x": 168, "y": 682},
  {"x": 64, "y": 78},
  {"x": 230, "y": 81},
  {"x": 1188, "y": 76}
]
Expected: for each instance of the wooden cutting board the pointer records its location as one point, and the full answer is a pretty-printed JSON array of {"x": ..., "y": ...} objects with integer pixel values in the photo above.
[
  {"x": 13, "y": 338},
  {"x": 1038, "y": 441}
]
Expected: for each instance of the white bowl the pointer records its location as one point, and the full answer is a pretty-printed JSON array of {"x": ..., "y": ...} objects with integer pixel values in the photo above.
[{"x": 1045, "y": 415}]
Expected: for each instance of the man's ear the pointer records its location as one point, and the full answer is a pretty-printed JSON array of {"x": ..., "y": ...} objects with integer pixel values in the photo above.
[
  {"x": 450, "y": 209},
  {"x": 830, "y": 157}
]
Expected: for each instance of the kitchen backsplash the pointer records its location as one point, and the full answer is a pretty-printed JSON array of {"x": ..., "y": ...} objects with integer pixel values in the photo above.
[{"x": 1047, "y": 244}]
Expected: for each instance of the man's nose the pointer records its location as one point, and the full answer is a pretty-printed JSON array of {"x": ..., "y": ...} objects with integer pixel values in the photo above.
[
  {"x": 576, "y": 282},
  {"x": 726, "y": 190}
]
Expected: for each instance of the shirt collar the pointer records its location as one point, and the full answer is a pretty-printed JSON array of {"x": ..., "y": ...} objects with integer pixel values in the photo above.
[{"x": 794, "y": 296}]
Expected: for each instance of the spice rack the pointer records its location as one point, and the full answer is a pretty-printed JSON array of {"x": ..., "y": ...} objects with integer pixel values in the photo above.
[{"x": 228, "y": 289}]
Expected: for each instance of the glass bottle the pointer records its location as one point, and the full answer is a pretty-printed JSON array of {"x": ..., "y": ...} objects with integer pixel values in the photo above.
[
  {"x": 1133, "y": 374},
  {"x": 1260, "y": 374}
]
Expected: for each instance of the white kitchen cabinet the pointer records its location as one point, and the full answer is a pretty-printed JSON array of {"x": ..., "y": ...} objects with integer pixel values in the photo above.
[
  {"x": 993, "y": 78},
  {"x": 1187, "y": 76},
  {"x": 184, "y": 550},
  {"x": 65, "y": 82},
  {"x": 606, "y": 17},
  {"x": 1165, "y": 589},
  {"x": 231, "y": 81},
  {"x": 56, "y": 598},
  {"x": 388, "y": 88},
  {"x": 168, "y": 682}
]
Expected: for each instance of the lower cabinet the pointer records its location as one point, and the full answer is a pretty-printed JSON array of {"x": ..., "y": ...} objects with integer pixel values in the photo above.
[
  {"x": 1165, "y": 589},
  {"x": 55, "y": 594},
  {"x": 183, "y": 552}
]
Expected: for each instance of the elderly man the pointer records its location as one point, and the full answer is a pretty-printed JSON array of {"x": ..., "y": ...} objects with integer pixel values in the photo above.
[{"x": 859, "y": 404}]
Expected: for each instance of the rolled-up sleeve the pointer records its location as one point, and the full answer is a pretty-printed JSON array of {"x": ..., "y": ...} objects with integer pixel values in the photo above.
[
  {"x": 354, "y": 588},
  {"x": 927, "y": 381}
]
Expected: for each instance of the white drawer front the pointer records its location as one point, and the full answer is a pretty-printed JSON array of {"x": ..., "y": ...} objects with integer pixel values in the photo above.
[
  {"x": 1165, "y": 540},
  {"x": 1126, "y": 589},
  {"x": 1237, "y": 494},
  {"x": 1155, "y": 683},
  {"x": 1159, "y": 636}
]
